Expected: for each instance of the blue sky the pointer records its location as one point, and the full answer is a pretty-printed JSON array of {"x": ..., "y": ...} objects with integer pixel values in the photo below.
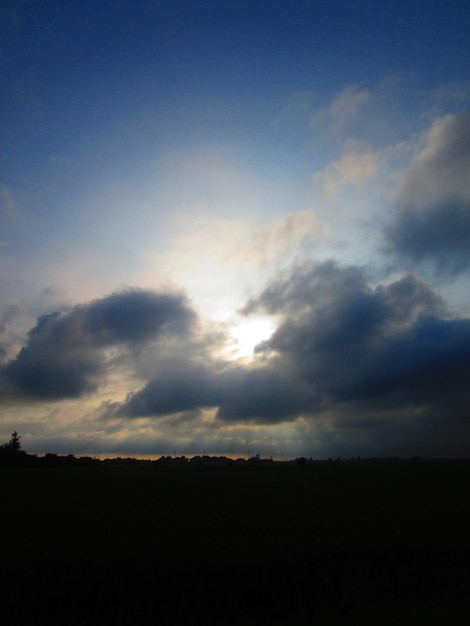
[{"x": 286, "y": 180}]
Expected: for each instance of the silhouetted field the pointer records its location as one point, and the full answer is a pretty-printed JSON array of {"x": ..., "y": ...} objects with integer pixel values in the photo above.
[{"x": 327, "y": 543}]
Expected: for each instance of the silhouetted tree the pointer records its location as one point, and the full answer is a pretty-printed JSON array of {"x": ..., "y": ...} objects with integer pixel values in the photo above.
[
  {"x": 14, "y": 445},
  {"x": 11, "y": 452}
]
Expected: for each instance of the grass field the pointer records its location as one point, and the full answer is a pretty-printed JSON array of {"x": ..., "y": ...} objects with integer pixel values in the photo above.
[{"x": 329, "y": 543}]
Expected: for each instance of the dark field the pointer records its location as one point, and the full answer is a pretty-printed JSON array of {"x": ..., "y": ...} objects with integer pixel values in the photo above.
[{"x": 328, "y": 543}]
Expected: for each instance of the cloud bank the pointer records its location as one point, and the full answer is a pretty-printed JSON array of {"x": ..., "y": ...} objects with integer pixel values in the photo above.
[{"x": 343, "y": 350}]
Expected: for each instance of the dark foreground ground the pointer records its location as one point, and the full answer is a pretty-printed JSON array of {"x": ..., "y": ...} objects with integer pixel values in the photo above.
[{"x": 330, "y": 543}]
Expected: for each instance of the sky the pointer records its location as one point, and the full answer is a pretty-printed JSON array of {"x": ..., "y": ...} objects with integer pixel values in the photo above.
[{"x": 235, "y": 227}]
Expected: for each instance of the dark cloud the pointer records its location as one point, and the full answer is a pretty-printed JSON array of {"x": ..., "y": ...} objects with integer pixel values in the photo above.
[
  {"x": 64, "y": 356},
  {"x": 58, "y": 361},
  {"x": 257, "y": 394},
  {"x": 433, "y": 223},
  {"x": 135, "y": 316},
  {"x": 343, "y": 348},
  {"x": 6, "y": 317},
  {"x": 178, "y": 389},
  {"x": 362, "y": 348},
  {"x": 263, "y": 394},
  {"x": 292, "y": 293},
  {"x": 441, "y": 235}
]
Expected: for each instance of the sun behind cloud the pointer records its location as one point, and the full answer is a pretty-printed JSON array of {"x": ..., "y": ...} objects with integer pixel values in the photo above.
[{"x": 248, "y": 333}]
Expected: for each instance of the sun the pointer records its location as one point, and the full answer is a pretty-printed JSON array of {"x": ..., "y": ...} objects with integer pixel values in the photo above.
[{"x": 248, "y": 333}]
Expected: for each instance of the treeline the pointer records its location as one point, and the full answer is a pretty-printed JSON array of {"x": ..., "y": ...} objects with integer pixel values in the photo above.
[{"x": 12, "y": 453}]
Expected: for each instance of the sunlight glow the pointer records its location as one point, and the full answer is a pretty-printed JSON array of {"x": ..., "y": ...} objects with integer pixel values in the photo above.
[{"x": 248, "y": 333}]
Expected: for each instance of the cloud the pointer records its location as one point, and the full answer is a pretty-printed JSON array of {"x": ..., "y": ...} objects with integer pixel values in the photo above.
[
  {"x": 135, "y": 316},
  {"x": 65, "y": 357},
  {"x": 254, "y": 394},
  {"x": 349, "y": 361},
  {"x": 344, "y": 353},
  {"x": 178, "y": 389},
  {"x": 358, "y": 165},
  {"x": 347, "y": 356},
  {"x": 433, "y": 222},
  {"x": 261, "y": 394},
  {"x": 343, "y": 108},
  {"x": 280, "y": 238},
  {"x": 364, "y": 349}
]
